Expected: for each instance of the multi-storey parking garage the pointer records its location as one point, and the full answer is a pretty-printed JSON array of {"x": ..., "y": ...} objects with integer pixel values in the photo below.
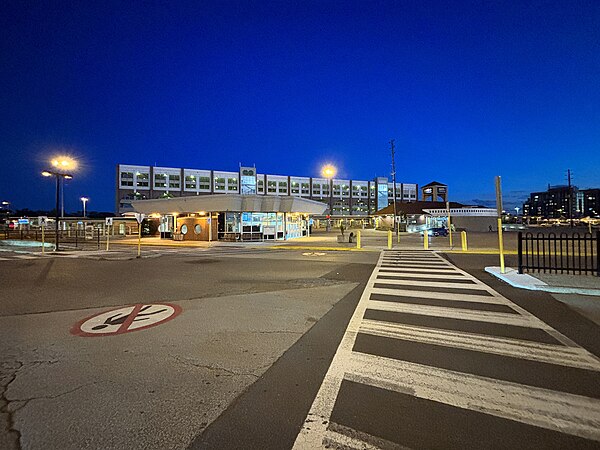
[{"x": 343, "y": 197}]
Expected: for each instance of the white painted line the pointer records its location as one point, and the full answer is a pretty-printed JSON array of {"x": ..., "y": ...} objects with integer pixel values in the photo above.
[
  {"x": 417, "y": 263},
  {"x": 337, "y": 440},
  {"x": 457, "y": 313},
  {"x": 425, "y": 276},
  {"x": 433, "y": 284},
  {"x": 515, "y": 348},
  {"x": 419, "y": 269},
  {"x": 558, "y": 411},
  {"x": 439, "y": 296}
]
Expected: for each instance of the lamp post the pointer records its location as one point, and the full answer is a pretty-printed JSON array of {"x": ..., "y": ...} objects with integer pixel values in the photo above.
[
  {"x": 328, "y": 171},
  {"x": 84, "y": 200},
  {"x": 61, "y": 165}
]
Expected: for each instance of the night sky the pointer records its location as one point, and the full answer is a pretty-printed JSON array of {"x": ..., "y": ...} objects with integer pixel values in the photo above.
[{"x": 468, "y": 90}]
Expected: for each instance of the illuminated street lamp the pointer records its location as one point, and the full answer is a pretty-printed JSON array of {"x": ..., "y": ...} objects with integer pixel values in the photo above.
[
  {"x": 84, "y": 200},
  {"x": 61, "y": 165},
  {"x": 329, "y": 171}
]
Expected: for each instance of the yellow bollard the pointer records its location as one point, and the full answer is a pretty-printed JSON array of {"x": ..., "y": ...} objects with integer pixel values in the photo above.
[
  {"x": 426, "y": 240},
  {"x": 501, "y": 245},
  {"x": 358, "y": 239},
  {"x": 390, "y": 239},
  {"x": 463, "y": 240}
]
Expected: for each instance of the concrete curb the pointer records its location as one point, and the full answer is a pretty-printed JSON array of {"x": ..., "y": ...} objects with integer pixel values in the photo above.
[{"x": 524, "y": 281}]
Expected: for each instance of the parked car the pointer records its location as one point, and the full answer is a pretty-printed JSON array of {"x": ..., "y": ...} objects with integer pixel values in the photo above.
[{"x": 436, "y": 232}]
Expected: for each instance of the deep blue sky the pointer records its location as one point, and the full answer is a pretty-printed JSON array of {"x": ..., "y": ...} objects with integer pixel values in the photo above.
[{"x": 468, "y": 90}]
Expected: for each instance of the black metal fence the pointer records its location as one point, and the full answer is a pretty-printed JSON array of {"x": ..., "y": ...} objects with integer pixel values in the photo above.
[{"x": 566, "y": 253}]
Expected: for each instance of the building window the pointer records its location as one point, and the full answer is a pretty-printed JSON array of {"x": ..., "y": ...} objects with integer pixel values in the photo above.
[
  {"x": 295, "y": 189},
  {"x": 316, "y": 188},
  {"x": 174, "y": 181},
  {"x": 204, "y": 183},
  {"x": 232, "y": 184},
  {"x": 271, "y": 186},
  {"x": 126, "y": 178},
  {"x": 160, "y": 180},
  {"x": 345, "y": 190},
  {"x": 190, "y": 182},
  {"x": 283, "y": 187},
  {"x": 305, "y": 189},
  {"x": 260, "y": 186},
  {"x": 219, "y": 184},
  {"x": 142, "y": 180},
  {"x": 336, "y": 190}
]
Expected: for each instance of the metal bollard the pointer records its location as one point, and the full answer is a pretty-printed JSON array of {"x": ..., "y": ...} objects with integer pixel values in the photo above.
[
  {"x": 358, "y": 239},
  {"x": 390, "y": 239},
  {"x": 426, "y": 240},
  {"x": 463, "y": 239}
]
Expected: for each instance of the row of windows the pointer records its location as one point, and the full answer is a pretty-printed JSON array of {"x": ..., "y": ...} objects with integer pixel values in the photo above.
[{"x": 221, "y": 184}]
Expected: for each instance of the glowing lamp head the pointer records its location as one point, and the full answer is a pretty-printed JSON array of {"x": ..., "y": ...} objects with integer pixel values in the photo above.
[
  {"x": 45, "y": 173},
  {"x": 64, "y": 163},
  {"x": 328, "y": 171}
]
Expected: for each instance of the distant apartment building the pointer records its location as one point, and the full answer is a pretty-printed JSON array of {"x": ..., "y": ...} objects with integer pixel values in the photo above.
[
  {"x": 555, "y": 203},
  {"x": 346, "y": 197}
]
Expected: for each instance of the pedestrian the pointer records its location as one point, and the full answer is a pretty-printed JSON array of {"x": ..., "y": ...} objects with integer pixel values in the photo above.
[
  {"x": 490, "y": 228},
  {"x": 342, "y": 228}
]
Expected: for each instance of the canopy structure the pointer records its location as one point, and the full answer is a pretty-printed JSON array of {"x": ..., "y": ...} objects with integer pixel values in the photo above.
[{"x": 229, "y": 202}]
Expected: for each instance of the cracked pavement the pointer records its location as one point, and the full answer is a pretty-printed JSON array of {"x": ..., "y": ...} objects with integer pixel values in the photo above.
[{"x": 154, "y": 388}]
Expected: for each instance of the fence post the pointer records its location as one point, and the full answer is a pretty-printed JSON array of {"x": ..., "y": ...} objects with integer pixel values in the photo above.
[{"x": 520, "y": 250}]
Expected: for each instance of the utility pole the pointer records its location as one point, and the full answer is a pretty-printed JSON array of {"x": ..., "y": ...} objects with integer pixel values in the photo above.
[
  {"x": 570, "y": 197},
  {"x": 396, "y": 227}
]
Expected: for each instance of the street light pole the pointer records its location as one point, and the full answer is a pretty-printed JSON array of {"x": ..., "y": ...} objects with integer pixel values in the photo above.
[
  {"x": 56, "y": 215},
  {"x": 328, "y": 171},
  {"x": 395, "y": 226},
  {"x": 61, "y": 164}
]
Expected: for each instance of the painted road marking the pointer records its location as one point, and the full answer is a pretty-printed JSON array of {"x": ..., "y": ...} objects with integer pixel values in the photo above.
[
  {"x": 516, "y": 348},
  {"x": 126, "y": 319},
  {"x": 565, "y": 412},
  {"x": 558, "y": 411}
]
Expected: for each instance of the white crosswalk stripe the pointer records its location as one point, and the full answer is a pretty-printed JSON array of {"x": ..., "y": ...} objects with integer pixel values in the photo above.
[{"x": 417, "y": 285}]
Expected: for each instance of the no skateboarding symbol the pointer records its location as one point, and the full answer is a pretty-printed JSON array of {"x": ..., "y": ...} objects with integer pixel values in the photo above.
[{"x": 126, "y": 319}]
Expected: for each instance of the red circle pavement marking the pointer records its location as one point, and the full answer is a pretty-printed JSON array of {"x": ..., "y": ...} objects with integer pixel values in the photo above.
[{"x": 126, "y": 319}]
